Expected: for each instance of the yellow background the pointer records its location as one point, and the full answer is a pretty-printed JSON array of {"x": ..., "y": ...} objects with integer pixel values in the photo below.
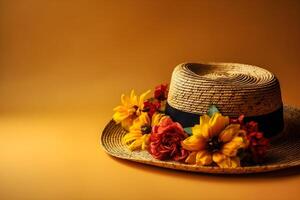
[{"x": 64, "y": 64}]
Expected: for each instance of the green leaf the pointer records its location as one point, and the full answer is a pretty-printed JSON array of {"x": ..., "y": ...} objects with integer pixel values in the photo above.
[
  {"x": 188, "y": 130},
  {"x": 212, "y": 110}
]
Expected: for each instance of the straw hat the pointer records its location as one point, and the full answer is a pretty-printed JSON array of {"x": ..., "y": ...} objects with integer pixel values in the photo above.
[{"x": 235, "y": 89}]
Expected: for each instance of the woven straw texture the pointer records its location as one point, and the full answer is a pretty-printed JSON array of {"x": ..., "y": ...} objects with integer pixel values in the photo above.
[
  {"x": 235, "y": 88},
  {"x": 283, "y": 153}
]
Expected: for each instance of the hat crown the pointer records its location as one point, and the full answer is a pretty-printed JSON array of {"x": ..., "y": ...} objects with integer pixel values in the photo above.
[{"x": 234, "y": 88}]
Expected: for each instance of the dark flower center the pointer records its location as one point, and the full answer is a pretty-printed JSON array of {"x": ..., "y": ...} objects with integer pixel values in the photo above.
[
  {"x": 213, "y": 144},
  {"x": 146, "y": 129},
  {"x": 161, "y": 97}
]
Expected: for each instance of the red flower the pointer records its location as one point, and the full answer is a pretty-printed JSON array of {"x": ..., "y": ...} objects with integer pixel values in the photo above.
[
  {"x": 161, "y": 92},
  {"x": 258, "y": 144},
  {"x": 165, "y": 141},
  {"x": 151, "y": 107},
  {"x": 251, "y": 126}
]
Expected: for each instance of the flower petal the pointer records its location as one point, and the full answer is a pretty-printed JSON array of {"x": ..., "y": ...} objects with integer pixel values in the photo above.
[
  {"x": 119, "y": 116},
  {"x": 191, "y": 159},
  {"x": 229, "y": 132},
  {"x": 126, "y": 123},
  {"x": 133, "y": 98},
  {"x": 217, "y": 123},
  {"x": 218, "y": 157},
  {"x": 204, "y": 126},
  {"x": 196, "y": 130},
  {"x": 135, "y": 145},
  {"x": 142, "y": 99},
  {"x": 202, "y": 129},
  {"x": 203, "y": 158},
  {"x": 123, "y": 99},
  {"x": 129, "y": 138},
  {"x": 204, "y": 119},
  {"x": 231, "y": 148},
  {"x": 235, "y": 162},
  {"x": 229, "y": 162},
  {"x": 157, "y": 118},
  {"x": 194, "y": 143},
  {"x": 144, "y": 119},
  {"x": 145, "y": 138}
]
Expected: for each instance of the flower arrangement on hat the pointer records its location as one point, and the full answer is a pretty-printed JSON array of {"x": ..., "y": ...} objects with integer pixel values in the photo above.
[{"x": 216, "y": 141}]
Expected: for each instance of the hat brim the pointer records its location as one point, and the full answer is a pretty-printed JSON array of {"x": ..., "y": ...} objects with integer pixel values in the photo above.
[{"x": 284, "y": 151}]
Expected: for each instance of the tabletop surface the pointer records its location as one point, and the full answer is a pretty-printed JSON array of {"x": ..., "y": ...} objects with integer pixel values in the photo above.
[{"x": 64, "y": 65}]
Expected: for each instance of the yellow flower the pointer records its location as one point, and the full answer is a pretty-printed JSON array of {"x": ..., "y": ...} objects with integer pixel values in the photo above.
[
  {"x": 139, "y": 133},
  {"x": 214, "y": 140},
  {"x": 157, "y": 118},
  {"x": 130, "y": 109}
]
